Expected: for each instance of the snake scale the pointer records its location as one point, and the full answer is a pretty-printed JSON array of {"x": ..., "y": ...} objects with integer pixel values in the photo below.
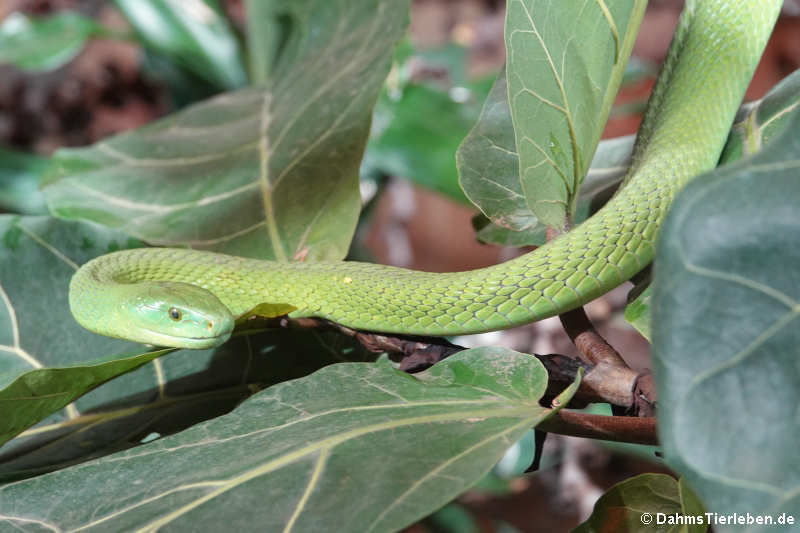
[{"x": 188, "y": 298}]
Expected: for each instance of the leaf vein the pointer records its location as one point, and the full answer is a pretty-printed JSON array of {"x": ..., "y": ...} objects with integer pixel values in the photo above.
[
  {"x": 779, "y": 114},
  {"x": 542, "y": 99},
  {"x": 48, "y": 525},
  {"x": 200, "y": 242},
  {"x": 612, "y": 26},
  {"x": 435, "y": 472},
  {"x": 49, "y": 247},
  {"x": 296, "y": 421},
  {"x": 499, "y": 148},
  {"x": 263, "y": 177},
  {"x": 746, "y": 352},
  {"x": 315, "y": 475},
  {"x": 548, "y": 159},
  {"x": 329, "y": 442},
  {"x": 741, "y": 280},
  {"x": 135, "y": 162},
  {"x": 119, "y": 512}
]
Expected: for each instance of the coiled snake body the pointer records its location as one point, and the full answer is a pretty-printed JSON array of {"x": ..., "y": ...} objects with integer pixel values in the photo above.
[{"x": 187, "y": 298}]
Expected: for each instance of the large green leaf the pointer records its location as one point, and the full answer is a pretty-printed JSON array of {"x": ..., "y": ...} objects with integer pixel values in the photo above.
[
  {"x": 44, "y": 43},
  {"x": 170, "y": 395},
  {"x": 758, "y": 122},
  {"x": 193, "y": 33},
  {"x": 269, "y": 172},
  {"x": 565, "y": 63},
  {"x": 646, "y": 503},
  {"x": 488, "y": 166},
  {"x": 302, "y": 454},
  {"x": 36, "y": 394},
  {"x": 38, "y": 255},
  {"x": 19, "y": 182},
  {"x": 726, "y": 297},
  {"x": 268, "y": 27}
]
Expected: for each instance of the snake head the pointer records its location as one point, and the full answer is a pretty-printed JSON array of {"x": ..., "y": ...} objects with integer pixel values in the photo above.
[{"x": 174, "y": 314}]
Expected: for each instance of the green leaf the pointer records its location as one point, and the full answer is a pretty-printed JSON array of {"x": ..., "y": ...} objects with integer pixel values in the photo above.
[
  {"x": 19, "y": 182},
  {"x": 518, "y": 458},
  {"x": 726, "y": 296},
  {"x": 646, "y": 503},
  {"x": 36, "y": 394},
  {"x": 182, "y": 86},
  {"x": 38, "y": 255},
  {"x": 690, "y": 505},
  {"x": 565, "y": 64},
  {"x": 758, "y": 122},
  {"x": 193, "y": 33},
  {"x": 310, "y": 448},
  {"x": 165, "y": 397},
  {"x": 44, "y": 43},
  {"x": 267, "y": 30},
  {"x": 488, "y": 167},
  {"x": 269, "y": 173},
  {"x": 637, "y": 313}
]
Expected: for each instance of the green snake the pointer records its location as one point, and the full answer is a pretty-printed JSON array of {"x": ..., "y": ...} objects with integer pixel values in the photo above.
[{"x": 192, "y": 299}]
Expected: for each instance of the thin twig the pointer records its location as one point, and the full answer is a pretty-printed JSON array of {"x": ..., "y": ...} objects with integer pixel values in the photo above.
[{"x": 418, "y": 353}]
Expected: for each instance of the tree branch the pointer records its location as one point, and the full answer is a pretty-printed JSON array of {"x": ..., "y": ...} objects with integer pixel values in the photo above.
[
  {"x": 591, "y": 345},
  {"x": 637, "y": 430},
  {"x": 602, "y": 382},
  {"x": 418, "y": 352}
]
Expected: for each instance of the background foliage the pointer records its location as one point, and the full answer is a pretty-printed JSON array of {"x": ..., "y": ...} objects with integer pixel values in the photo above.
[{"x": 270, "y": 168}]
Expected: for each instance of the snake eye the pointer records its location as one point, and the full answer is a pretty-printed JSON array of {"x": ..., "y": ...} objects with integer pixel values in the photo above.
[{"x": 175, "y": 313}]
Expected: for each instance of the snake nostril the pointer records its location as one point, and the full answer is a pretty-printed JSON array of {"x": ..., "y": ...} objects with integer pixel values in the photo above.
[{"x": 209, "y": 325}]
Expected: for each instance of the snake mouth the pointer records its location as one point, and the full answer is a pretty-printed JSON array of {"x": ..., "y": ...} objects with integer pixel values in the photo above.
[{"x": 192, "y": 343}]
